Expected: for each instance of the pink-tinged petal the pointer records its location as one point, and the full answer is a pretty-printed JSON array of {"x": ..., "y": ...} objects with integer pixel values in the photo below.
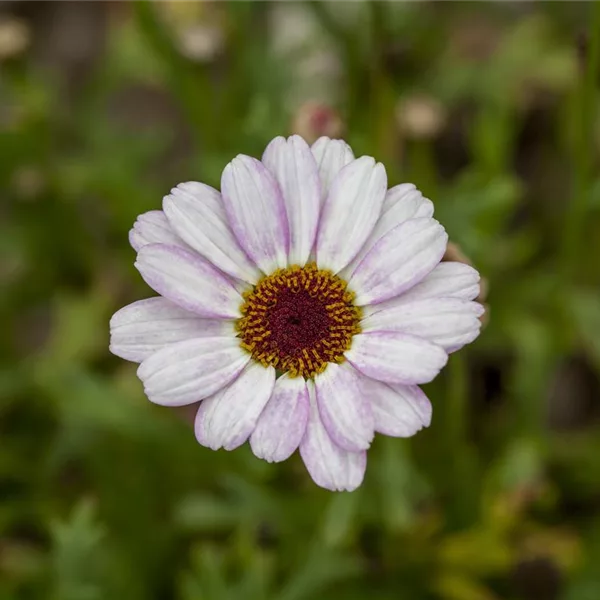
[
  {"x": 345, "y": 411},
  {"x": 189, "y": 281},
  {"x": 153, "y": 227},
  {"x": 350, "y": 212},
  {"x": 418, "y": 401},
  {"x": 196, "y": 213},
  {"x": 447, "y": 280},
  {"x": 227, "y": 419},
  {"x": 410, "y": 205},
  {"x": 399, "y": 260},
  {"x": 398, "y": 193},
  {"x": 256, "y": 212},
  {"x": 144, "y": 327},
  {"x": 188, "y": 371},
  {"x": 282, "y": 424},
  {"x": 292, "y": 164},
  {"x": 329, "y": 466},
  {"x": 396, "y": 357},
  {"x": 398, "y": 410},
  {"x": 331, "y": 156},
  {"x": 449, "y": 322}
]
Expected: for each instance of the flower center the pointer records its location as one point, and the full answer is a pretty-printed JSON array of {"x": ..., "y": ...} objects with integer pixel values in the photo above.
[{"x": 299, "y": 319}]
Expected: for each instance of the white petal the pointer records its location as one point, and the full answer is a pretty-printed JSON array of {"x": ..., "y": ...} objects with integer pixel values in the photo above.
[
  {"x": 350, "y": 212},
  {"x": 153, "y": 227},
  {"x": 447, "y": 280},
  {"x": 399, "y": 260},
  {"x": 189, "y": 371},
  {"x": 196, "y": 213},
  {"x": 331, "y": 157},
  {"x": 227, "y": 419},
  {"x": 398, "y": 410},
  {"x": 397, "y": 193},
  {"x": 396, "y": 357},
  {"x": 282, "y": 424},
  {"x": 449, "y": 322},
  {"x": 410, "y": 205},
  {"x": 345, "y": 411},
  {"x": 189, "y": 280},
  {"x": 140, "y": 329},
  {"x": 293, "y": 166},
  {"x": 329, "y": 466},
  {"x": 256, "y": 212}
]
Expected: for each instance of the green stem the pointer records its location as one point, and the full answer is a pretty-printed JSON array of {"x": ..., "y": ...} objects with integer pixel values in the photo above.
[
  {"x": 463, "y": 473},
  {"x": 457, "y": 401},
  {"x": 584, "y": 116}
]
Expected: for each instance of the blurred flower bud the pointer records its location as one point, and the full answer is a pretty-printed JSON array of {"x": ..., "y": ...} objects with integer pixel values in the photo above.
[
  {"x": 197, "y": 27},
  {"x": 314, "y": 119},
  {"x": 14, "y": 37},
  {"x": 202, "y": 42},
  {"x": 420, "y": 116}
]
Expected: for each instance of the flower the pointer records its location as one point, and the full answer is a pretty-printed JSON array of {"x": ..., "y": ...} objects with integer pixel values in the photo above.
[
  {"x": 15, "y": 37},
  {"x": 315, "y": 119},
  {"x": 302, "y": 305},
  {"x": 420, "y": 116}
]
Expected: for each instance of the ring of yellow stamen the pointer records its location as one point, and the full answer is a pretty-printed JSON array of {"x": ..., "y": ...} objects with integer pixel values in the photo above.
[{"x": 298, "y": 320}]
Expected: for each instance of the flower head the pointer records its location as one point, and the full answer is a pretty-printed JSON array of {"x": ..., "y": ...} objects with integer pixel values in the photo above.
[{"x": 301, "y": 306}]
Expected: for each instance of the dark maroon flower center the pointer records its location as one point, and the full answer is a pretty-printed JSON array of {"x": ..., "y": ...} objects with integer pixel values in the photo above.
[{"x": 298, "y": 320}]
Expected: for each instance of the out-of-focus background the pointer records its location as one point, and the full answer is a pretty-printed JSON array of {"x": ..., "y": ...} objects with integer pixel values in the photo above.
[{"x": 490, "y": 108}]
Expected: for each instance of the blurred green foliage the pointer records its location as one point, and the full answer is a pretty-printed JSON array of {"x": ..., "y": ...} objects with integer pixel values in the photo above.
[{"x": 104, "y": 496}]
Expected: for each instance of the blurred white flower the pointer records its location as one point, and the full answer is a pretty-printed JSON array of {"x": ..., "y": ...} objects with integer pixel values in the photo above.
[
  {"x": 420, "y": 116},
  {"x": 201, "y": 42},
  {"x": 15, "y": 37},
  {"x": 198, "y": 28}
]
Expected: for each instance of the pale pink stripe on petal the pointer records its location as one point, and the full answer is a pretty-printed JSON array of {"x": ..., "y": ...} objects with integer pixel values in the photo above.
[
  {"x": 256, "y": 212},
  {"x": 397, "y": 193},
  {"x": 448, "y": 322},
  {"x": 197, "y": 214},
  {"x": 153, "y": 227},
  {"x": 188, "y": 371},
  {"x": 329, "y": 466},
  {"x": 188, "y": 280},
  {"x": 143, "y": 327},
  {"x": 398, "y": 410},
  {"x": 293, "y": 166},
  {"x": 399, "y": 260},
  {"x": 345, "y": 411},
  {"x": 227, "y": 419},
  {"x": 350, "y": 212},
  {"x": 410, "y": 205},
  {"x": 282, "y": 424},
  {"x": 331, "y": 156},
  {"x": 447, "y": 280},
  {"x": 396, "y": 357}
]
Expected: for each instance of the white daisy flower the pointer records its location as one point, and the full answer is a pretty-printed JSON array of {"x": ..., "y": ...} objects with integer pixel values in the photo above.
[{"x": 302, "y": 305}]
